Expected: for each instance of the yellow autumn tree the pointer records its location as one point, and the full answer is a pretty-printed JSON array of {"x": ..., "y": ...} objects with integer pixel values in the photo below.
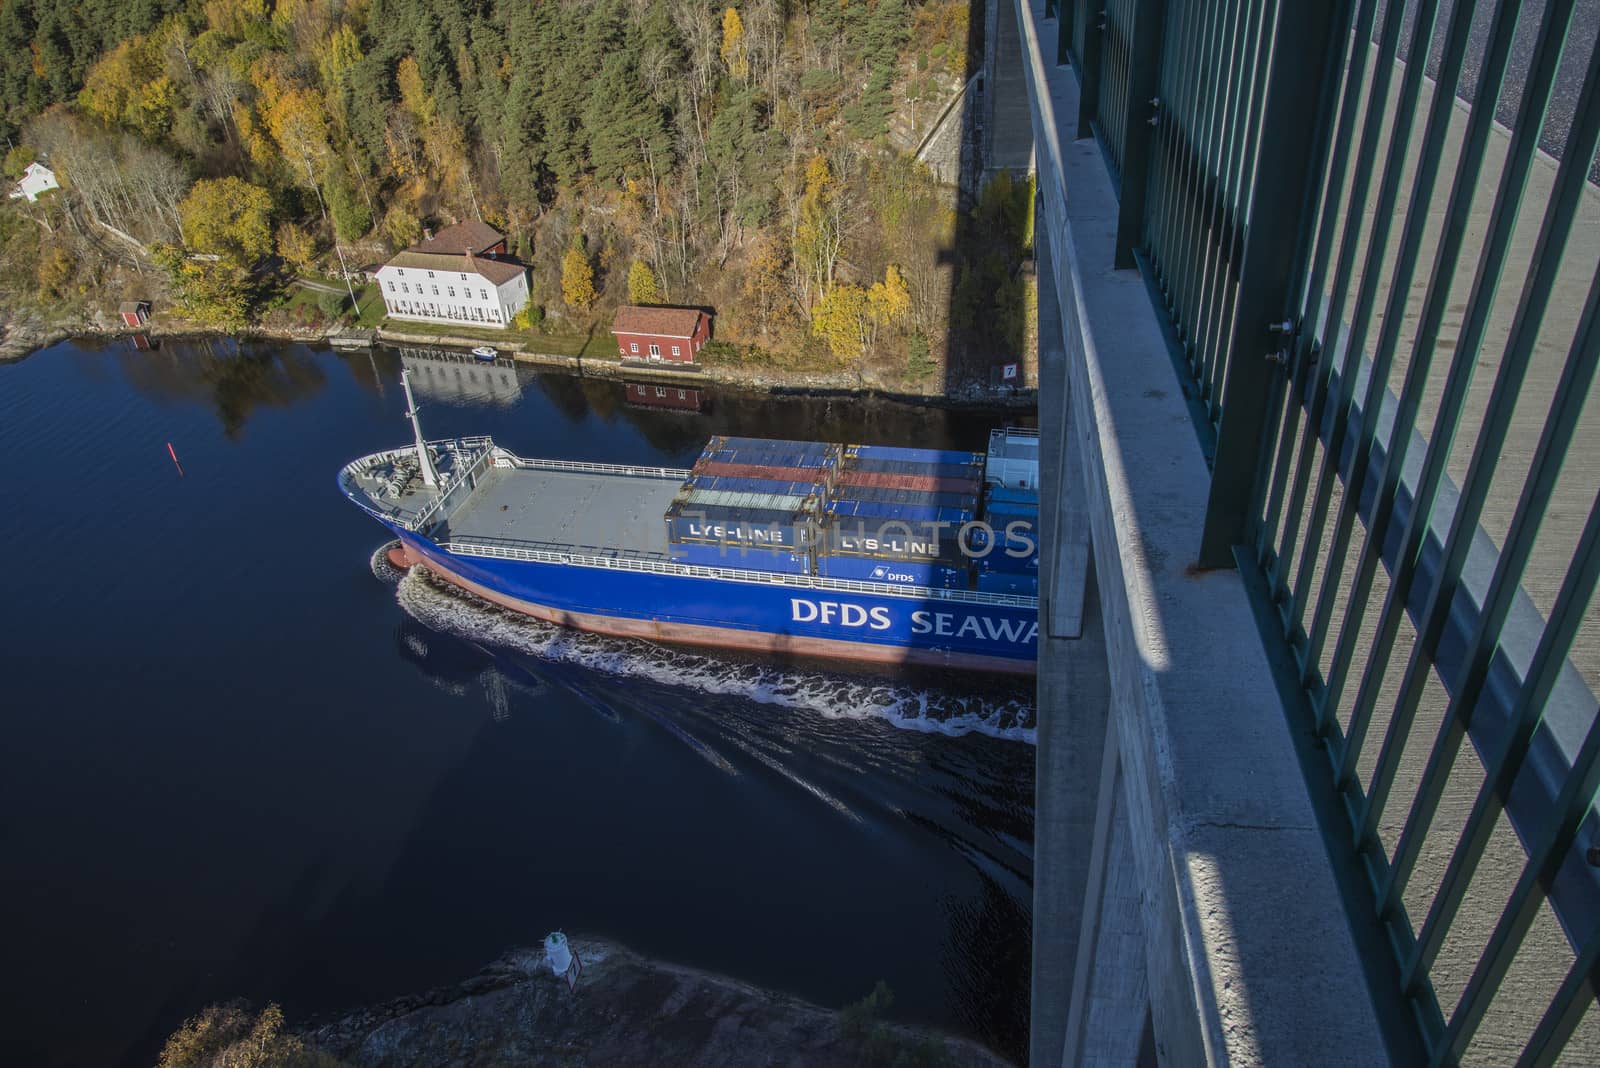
[
  {"x": 889, "y": 301},
  {"x": 413, "y": 94},
  {"x": 819, "y": 234},
  {"x": 577, "y": 279},
  {"x": 298, "y": 121},
  {"x": 119, "y": 90},
  {"x": 763, "y": 283},
  {"x": 228, "y": 218},
  {"x": 642, "y": 287},
  {"x": 734, "y": 54},
  {"x": 296, "y": 246},
  {"x": 843, "y": 318}
]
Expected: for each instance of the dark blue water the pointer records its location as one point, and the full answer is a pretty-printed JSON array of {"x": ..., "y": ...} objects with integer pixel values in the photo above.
[{"x": 237, "y": 762}]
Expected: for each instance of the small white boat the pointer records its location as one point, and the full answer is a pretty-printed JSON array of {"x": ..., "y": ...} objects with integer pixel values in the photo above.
[{"x": 485, "y": 353}]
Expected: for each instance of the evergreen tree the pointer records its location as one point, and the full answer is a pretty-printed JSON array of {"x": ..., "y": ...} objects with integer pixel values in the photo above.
[{"x": 622, "y": 123}]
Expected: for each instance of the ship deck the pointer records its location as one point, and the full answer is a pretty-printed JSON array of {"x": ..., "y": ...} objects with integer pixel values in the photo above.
[{"x": 596, "y": 514}]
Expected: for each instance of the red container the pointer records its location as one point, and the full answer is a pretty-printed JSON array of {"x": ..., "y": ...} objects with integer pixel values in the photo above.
[
  {"x": 779, "y": 474},
  {"x": 925, "y": 483}
]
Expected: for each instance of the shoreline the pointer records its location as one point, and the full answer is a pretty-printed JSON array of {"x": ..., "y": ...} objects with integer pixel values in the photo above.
[
  {"x": 626, "y": 1008},
  {"x": 24, "y": 338}
]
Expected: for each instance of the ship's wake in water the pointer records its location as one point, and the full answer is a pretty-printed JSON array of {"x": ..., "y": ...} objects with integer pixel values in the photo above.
[{"x": 1007, "y": 713}]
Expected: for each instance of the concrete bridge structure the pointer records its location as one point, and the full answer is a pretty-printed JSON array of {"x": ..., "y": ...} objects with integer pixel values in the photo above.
[{"x": 1318, "y": 744}]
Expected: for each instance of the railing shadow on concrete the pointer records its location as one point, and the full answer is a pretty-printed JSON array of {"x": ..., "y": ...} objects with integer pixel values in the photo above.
[{"x": 1257, "y": 189}]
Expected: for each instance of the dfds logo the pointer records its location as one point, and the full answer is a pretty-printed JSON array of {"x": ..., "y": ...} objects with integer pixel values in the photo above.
[{"x": 846, "y": 615}]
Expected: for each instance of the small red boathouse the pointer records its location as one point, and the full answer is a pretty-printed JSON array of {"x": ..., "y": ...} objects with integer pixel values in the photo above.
[{"x": 670, "y": 334}]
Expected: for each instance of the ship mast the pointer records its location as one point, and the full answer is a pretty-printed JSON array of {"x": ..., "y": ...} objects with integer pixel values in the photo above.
[{"x": 429, "y": 476}]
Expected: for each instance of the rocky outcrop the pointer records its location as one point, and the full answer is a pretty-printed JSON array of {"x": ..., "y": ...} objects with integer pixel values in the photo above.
[{"x": 626, "y": 1009}]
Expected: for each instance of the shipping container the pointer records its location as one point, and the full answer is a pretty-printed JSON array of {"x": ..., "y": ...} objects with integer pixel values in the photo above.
[
  {"x": 736, "y": 526},
  {"x": 920, "y": 456},
  {"x": 741, "y": 557},
  {"x": 919, "y": 513},
  {"x": 887, "y": 539},
  {"x": 898, "y": 573},
  {"x": 965, "y": 501},
  {"x": 906, "y": 467},
  {"x": 763, "y": 502},
  {"x": 1015, "y": 534},
  {"x": 1001, "y": 560},
  {"x": 1011, "y": 495},
  {"x": 879, "y": 480},
  {"x": 1007, "y": 582},
  {"x": 808, "y": 448},
  {"x": 735, "y": 484},
  {"x": 1007, "y": 506},
  {"x": 815, "y": 475},
  {"x": 765, "y": 459}
]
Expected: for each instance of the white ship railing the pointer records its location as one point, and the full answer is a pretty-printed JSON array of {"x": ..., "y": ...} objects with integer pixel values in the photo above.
[
  {"x": 467, "y": 479},
  {"x": 502, "y": 551},
  {"x": 353, "y": 470},
  {"x": 675, "y": 474}
]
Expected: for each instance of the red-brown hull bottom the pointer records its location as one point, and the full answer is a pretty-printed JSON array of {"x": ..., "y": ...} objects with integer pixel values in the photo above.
[{"x": 725, "y": 637}]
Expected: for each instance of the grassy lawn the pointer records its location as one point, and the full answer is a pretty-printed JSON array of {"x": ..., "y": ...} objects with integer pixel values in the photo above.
[
  {"x": 372, "y": 309},
  {"x": 450, "y": 330},
  {"x": 598, "y": 347}
]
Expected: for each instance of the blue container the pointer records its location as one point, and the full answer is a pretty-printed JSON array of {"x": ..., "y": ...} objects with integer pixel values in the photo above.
[
  {"x": 808, "y": 448},
  {"x": 895, "y": 572},
  {"x": 1027, "y": 522},
  {"x": 1025, "y": 585},
  {"x": 999, "y": 559},
  {"x": 916, "y": 456},
  {"x": 909, "y": 513},
  {"x": 737, "y": 484},
  {"x": 741, "y": 558},
  {"x": 906, "y": 467},
  {"x": 998, "y": 495},
  {"x": 965, "y": 501},
  {"x": 773, "y": 457},
  {"x": 737, "y": 526},
  {"x": 1014, "y": 527},
  {"x": 882, "y": 539}
]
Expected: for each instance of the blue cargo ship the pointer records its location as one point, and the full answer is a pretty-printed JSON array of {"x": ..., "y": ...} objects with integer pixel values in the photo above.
[{"x": 717, "y": 555}]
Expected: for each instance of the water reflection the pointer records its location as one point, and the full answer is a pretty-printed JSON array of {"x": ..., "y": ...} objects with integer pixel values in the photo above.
[
  {"x": 437, "y": 374},
  {"x": 234, "y": 379}
]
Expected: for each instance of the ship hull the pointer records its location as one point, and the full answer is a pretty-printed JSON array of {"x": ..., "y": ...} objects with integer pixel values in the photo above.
[{"x": 779, "y": 620}]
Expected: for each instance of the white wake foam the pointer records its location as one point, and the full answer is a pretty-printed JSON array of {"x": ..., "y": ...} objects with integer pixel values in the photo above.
[
  {"x": 382, "y": 569},
  {"x": 445, "y": 608}
]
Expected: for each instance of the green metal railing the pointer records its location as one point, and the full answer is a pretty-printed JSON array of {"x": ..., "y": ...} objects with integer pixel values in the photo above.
[{"x": 1384, "y": 306}]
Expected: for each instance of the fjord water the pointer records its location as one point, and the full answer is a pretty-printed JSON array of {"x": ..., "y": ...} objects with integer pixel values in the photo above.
[{"x": 241, "y": 759}]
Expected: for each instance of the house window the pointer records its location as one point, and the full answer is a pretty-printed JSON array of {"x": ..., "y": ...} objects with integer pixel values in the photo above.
[
  {"x": 463, "y": 278},
  {"x": 483, "y": 294},
  {"x": 675, "y": 351},
  {"x": 400, "y": 271},
  {"x": 681, "y": 395},
  {"x": 655, "y": 352},
  {"x": 404, "y": 288},
  {"x": 430, "y": 275},
  {"x": 451, "y": 289},
  {"x": 436, "y": 291},
  {"x": 633, "y": 346},
  {"x": 391, "y": 286},
  {"x": 660, "y": 392}
]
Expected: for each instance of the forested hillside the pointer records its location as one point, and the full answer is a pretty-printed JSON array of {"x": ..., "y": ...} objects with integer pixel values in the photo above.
[{"x": 660, "y": 150}]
